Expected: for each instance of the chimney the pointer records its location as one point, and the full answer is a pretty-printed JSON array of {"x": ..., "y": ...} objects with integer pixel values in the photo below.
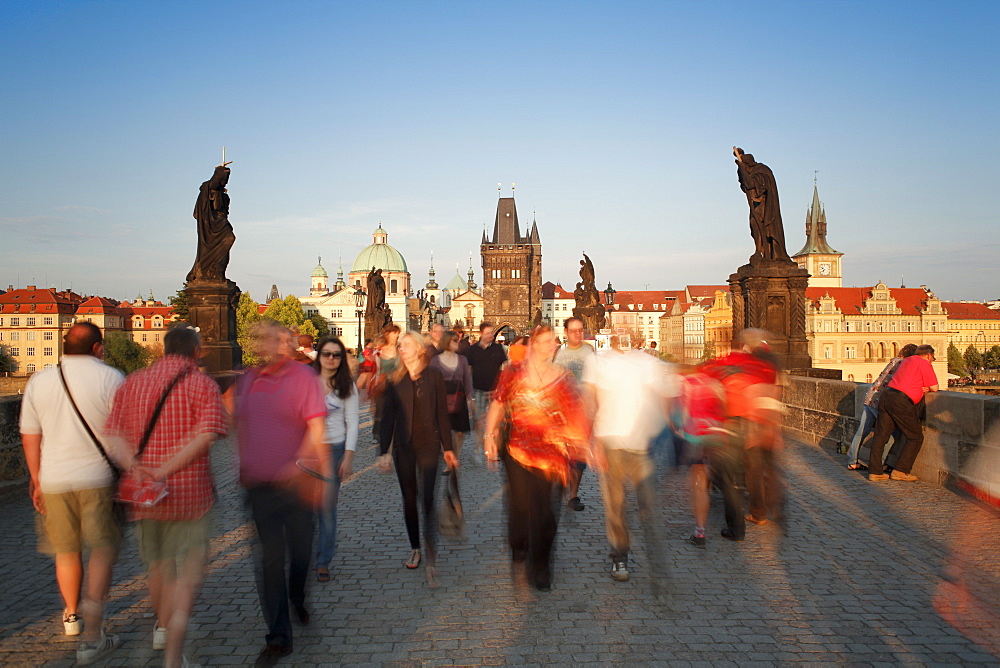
[{"x": 31, "y": 287}]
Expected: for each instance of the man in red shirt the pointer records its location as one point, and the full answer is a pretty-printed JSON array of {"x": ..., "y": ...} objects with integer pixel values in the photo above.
[
  {"x": 913, "y": 379},
  {"x": 280, "y": 417},
  {"x": 173, "y": 534}
]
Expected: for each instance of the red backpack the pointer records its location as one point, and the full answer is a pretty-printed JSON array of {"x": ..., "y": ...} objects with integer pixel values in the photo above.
[{"x": 702, "y": 407}]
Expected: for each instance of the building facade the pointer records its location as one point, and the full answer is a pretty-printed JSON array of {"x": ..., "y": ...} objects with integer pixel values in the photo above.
[
  {"x": 972, "y": 324},
  {"x": 512, "y": 272},
  {"x": 557, "y": 305}
]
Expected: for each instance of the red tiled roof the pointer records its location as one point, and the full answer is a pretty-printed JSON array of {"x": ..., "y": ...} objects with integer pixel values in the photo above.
[
  {"x": 39, "y": 301},
  {"x": 850, "y": 301},
  {"x": 960, "y": 310},
  {"x": 98, "y": 305},
  {"x": 697, "y": 291},
  {"x": 552, "y": 290}
]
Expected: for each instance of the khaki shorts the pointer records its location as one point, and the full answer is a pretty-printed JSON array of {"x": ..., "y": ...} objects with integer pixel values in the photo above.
[
  {"x": 73, "y": 520},
  {"x": 160, "y": 540}
]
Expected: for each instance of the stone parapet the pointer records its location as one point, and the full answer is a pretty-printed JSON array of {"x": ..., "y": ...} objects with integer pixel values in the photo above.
[{"x": 961, "y": 433}]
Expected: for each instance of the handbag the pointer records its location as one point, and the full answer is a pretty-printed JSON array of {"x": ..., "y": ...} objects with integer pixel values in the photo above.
[
  {"x": 451, "y": 519},
  {"x": 456, "y": 398}
]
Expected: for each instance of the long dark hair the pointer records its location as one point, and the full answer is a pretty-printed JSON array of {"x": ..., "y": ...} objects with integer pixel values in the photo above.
[{"x": 341, "y": 381}]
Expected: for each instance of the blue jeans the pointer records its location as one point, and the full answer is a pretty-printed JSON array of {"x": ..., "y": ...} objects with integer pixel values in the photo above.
[
  {"x": 326, "y": 546},
  {"x": 867, "y": 425}
]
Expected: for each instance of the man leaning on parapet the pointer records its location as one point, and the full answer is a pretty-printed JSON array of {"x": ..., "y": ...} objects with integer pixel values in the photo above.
[{"x": 71, "y": 479}]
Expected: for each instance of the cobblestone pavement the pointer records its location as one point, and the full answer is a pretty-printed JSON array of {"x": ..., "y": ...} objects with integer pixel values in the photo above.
[{"x": 891, "y": 573}]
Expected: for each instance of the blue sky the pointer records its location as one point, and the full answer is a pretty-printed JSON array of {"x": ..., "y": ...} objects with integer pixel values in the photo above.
[{"x": 616, "y": 121}]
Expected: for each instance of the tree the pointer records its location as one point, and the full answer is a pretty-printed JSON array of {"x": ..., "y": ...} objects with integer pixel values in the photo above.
[
  {"x": 179, "y": 302},
  {"x": 287, "y": 312},
  {"x": 322, "y": 328},
  {"x": 993, "y": 358},
  {"x": 956, "y": 364},
  {"x": 7, "y": 363},
  {"x": 973, "y": 358},
  {"x": 124, "y": 354},
  {"x": 709, "y": 351},
  {"x": 247, "y": 313}
]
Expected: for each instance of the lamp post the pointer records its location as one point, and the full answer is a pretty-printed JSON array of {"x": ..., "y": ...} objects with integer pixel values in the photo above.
[
  {"x": 609, "y": 295},
  {"x": 359, "y": 300}
]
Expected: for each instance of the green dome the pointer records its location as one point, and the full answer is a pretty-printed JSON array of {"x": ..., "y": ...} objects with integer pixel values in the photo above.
[
  {"x": 457, "y": 283},
  {"x": 380, "y": 255},
  {"x": 319, "y": 271}
]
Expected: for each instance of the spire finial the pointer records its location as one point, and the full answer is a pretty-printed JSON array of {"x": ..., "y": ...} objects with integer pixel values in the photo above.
[
  {"x": 499, "y": 186},
  {"x": 319, "y": 259},
  {"x": 815, "y": 176}
]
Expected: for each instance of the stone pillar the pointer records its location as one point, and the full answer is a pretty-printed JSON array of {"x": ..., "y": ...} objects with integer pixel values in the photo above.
[
  {"x": 212, "y": 308},
  {"x": 770, "y": 295}
]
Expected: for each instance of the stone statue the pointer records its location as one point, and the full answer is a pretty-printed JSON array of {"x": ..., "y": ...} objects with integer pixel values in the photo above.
[
  {"x": 757, "y": 181},
  {"x": 376, "y": 290},
  {"x": 215, "y": 234},
  {"x": 588, "y": 302}
]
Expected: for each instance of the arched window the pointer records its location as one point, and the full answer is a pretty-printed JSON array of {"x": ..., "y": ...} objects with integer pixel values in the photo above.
[
  {"x": 881, "y": 351},
  {"x": 868, "y": 351},
  {"x": 30, "y": 368},
  {"x": 850, "y": 377},
  {"x": 868, "y": 378},
  {"x": 895, "y": 349}
]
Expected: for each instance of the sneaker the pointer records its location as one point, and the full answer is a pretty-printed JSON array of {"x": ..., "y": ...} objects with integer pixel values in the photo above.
[
  {"x": 877, "y": 477},
  {"x": 619, "y": 571},
  {"x": 159, "y": 637},
  {"x": 71, "y": 623},
  {"x": 89, "y": 652},
  {"x": 728, "y": 534},
  {"x": 696, "y": 540},
  {"x": 899, "y": 475}
]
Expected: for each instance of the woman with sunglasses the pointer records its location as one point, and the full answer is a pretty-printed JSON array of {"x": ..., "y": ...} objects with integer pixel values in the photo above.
[{"x": 341, "y": 439}]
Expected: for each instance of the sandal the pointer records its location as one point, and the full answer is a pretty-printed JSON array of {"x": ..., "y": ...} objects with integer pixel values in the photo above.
[
  {"x": 857, "y": 466},
  {"x": 414, "y": 561},
  {"x": 322, "y": 575}
]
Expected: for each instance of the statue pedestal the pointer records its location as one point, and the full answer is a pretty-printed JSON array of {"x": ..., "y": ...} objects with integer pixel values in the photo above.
[
  {"x": 770, "y": 295},
  {"x": 212, "y": 309}
]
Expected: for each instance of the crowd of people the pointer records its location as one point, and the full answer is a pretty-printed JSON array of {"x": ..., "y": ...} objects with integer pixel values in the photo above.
[{"x": 545, "y": 413}]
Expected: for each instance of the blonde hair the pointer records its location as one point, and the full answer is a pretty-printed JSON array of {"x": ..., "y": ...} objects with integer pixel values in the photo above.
[{"x": 418, "y": 339}]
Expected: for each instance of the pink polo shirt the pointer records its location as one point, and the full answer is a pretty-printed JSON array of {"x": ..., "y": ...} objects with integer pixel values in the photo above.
[
  {"x": 273, "y": 406},
  {"x": 912, "y": 376}
]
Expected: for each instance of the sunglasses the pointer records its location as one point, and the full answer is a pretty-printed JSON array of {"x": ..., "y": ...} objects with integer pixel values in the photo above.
[{"x": 327, "y": 353}]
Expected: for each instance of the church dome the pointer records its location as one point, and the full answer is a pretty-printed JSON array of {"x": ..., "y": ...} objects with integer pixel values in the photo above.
[
  {"x": 319, "y": 271},
  {"x": 380, "y": 255}
]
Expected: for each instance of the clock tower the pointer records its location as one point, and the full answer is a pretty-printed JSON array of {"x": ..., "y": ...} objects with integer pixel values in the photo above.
[{"x": 822, "y": 262}]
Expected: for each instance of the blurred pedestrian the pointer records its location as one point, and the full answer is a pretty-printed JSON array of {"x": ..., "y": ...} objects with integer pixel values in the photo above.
[
  {"x": 434, "y": 345},
  {"x": 72, "y": 475},
  {"x": 415, "y": 423},
  {"x": 574, "y": 355},
  {"x": 386, "y": 362},
  {"x": 173, "y": 413},
  {"x": 487, "y": 358},
  {"x": 340, "y": 440},
  {"x": 629, "y": 392},
  {"x": 548, "y": 429},
  {"x": 457, "y": 374},
  {"x": 280, "y": 417}
]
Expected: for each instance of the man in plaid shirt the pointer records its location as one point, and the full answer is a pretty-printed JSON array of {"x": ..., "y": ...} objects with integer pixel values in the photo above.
[{"x": 174, "y": 533}]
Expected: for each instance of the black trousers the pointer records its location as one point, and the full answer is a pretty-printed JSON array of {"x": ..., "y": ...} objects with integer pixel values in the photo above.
[
  {"x": 417, "y": 477},
  {"x": 764, "y": 484},
  {"x": 283, "y": 525},
  {"x": 725, "y": 459},
  {"x": 896, "y": 411},
  {"x": 532, "y": 503}
]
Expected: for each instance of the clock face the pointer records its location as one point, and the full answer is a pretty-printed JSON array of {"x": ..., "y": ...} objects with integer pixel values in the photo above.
[{"x": 824, "y": 269}]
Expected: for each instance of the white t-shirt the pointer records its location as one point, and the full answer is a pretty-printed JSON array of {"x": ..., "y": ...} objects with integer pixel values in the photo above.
[
  {"x": 630, "y": 389},
  {"x": 70, "y": 460}
]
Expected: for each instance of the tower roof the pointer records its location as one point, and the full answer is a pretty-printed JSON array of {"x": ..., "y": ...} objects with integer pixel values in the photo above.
[
  {"x": 319, "y": 270},
  {"x": 457, "y": 282},
  {"x": 506, "y": 229},
  {"x": 380, "y": 255},
  {"x": 816, "y": 229}
]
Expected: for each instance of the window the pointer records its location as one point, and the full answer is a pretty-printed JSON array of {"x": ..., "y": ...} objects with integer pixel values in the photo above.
[
  {"x": 496, "y": 273},
  {"x": 515, "y": 273},
  {"x": 156, "y": 337},
  {"x": 337, "y": 313},
  {"x": 29, "y": 352},
  {"x": 157, "y": 322},
  {"x": 30, "y": 368},
  {"x": 47, "y": 320},
  {"x": 1, "y": 336},
  {"x": 30, "y": 322},
  {"x": 850, "y": 377},
  {"x": 827, "y": 352},
  {"x": 144, "y": 337},
  {"x": 47, "y": 352},
  {"x": 46, "y": 336},
  {"x": 15, "y": 352},
  {"x": 868, "y": 378},
  {"x": 850, "y": 352},
  {"x": 29, "y": 336},
  {"x": 15, "y": 322},
  {"x": 933, "y": 325},
  {"x": 14, "y": 336},
  {"x": 338, "y": 331}
]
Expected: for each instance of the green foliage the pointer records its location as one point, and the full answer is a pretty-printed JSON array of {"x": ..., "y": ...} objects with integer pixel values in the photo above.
[
  {"x": 993, "y": 358},
  {"x": 124, "y": 354},
  {"x": 179, "y": 302},
  {"x": 956, "y": 364},
  {"x": 709, "y": 351},
  {"x": 246, "y": 315},
  {"x": 287, "y": 312},
  {"x": 319, "y": 322},
  {"x": 973, "y": 358},
  {"x": 7, "y": 363}
]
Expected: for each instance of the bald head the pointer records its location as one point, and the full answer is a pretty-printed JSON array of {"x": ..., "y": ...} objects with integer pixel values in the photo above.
[{"x": 83, "y": 338}]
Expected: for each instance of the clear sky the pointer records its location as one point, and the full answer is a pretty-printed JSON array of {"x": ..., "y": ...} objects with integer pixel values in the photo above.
[{"x": 615, "y": 119}]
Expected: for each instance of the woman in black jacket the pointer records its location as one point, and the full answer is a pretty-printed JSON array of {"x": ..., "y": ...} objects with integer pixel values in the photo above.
[{"x": 415, "y": 423}]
